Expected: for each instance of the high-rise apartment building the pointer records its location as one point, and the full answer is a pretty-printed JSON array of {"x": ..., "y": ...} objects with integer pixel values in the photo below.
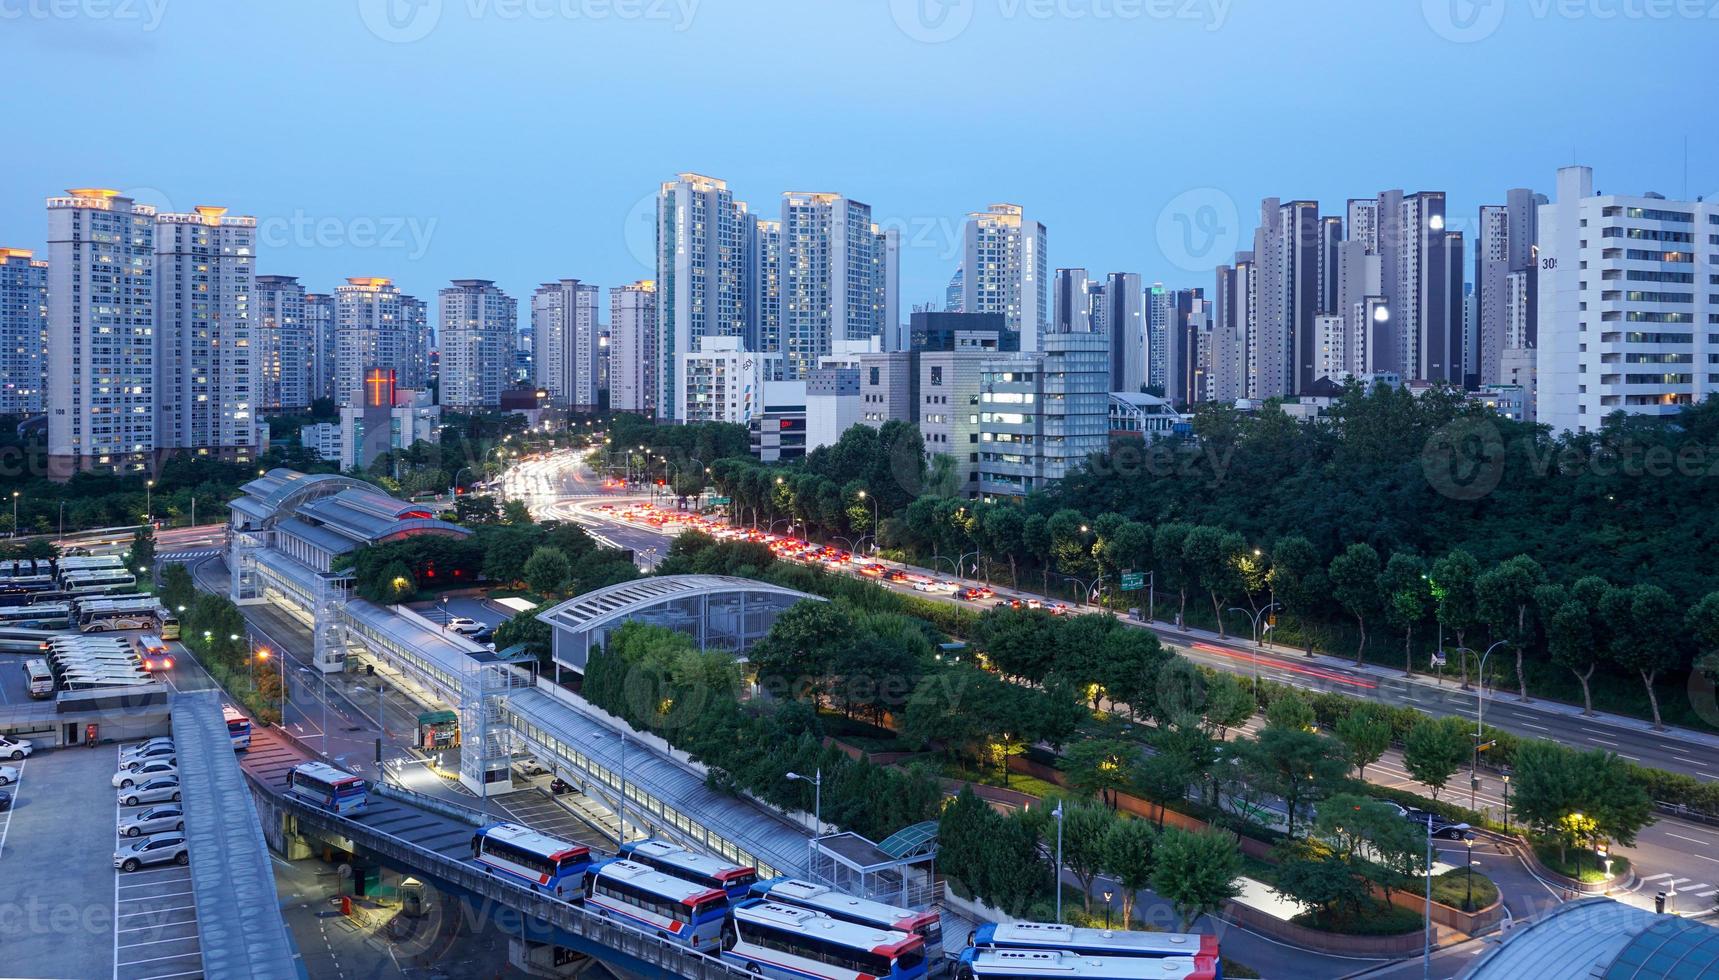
[
  {"x": 633, "y": 347},
  {"x": 479, "y": 326},
  {"x": 286, "y": 346},
  {"x": 1189, "y": 324},
  {"x": 1288, "y": 250},
  {"x": 701, "y": 274},
  {"x": 566, "y": 343},
  {"x": 1628, "y": 304},
  {"x": 837, "y": 269},
  {"x": 1426, "y": 301},
  {"x": 1233, "y": 298},
  {"x": 1006, "y": 269},
  {"x": 320, "y": 320},
  {"x": 378, "y": 326},
  {"x": 101, "y": 332},
  {"x": 205, "y": 360},
  {"x": 1119, "y": 312},
  {"x": 763, "y": 284},
  {"x": 23, "y": 331},
  {"x": 1504, "y": 246}
]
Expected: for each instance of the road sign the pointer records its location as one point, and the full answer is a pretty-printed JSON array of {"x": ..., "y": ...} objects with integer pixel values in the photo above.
[
  {"x": 722, "y": 501},
  {"x": 1133, "y": 581}
]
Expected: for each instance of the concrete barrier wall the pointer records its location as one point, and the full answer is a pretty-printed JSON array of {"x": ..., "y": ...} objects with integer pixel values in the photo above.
[{"x": 1382, "y": 947}]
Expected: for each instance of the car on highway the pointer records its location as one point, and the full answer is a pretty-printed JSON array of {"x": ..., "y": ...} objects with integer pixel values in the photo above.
[
  {"x": 135, "y": 759},
  {"x": 872, "y": 571},
  {"x": 152, "y": 850},
  {"x": 153, "y": 821},
  {"x": 162, "y": 789},
  {"x": 15, "y": 748},
  {"x": 1441, "y": 828},
  {"x": 8, "y": 775},
  {"x": 153, "y": 769}
]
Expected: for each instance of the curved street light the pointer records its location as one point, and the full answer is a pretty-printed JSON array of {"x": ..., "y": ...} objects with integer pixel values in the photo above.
[
  {"x": 1479, "y": 721},
  {"x": 1255, "y": 617}
]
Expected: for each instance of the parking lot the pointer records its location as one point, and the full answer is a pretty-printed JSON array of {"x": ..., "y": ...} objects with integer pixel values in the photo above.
[{"x": 155, "y": 913}]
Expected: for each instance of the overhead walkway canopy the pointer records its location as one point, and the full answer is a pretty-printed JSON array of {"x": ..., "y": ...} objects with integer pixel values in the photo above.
[
  {"x": 719, "y": 612},
  {"x": 239, "y": 921}
]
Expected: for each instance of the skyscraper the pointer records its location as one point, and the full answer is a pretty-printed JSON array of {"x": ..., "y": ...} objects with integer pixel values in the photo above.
[
  {"x": 23, "y": 331},
  {"x": 101, "y": 342},
  {"x": 632, "y": 348},
  {"x": 320, "y": 320},
  {"x": 952, "y": 296},
  {"x": 1118, "y": 312},
  {"x": 701, "y": 273},
  {"x": 204, "y": 264},
  {"x": 1426, "y": 308},
  {"x": 377, "y": 326},
  {"x": 1187, "y": 318},
  {"x": 1504, "y": 246},
  {"x": 1006, "y": 269},
  {"x": 763, "y": 285},
  {"x": 1288, "y": 248},
  {"x": 1227, "y": 380},
  {"x": 478, "y": 328},
  {"x": 1071, "y": 306},
  {"x": 285, "y": 344},
  {"x": 566, "y": 343},
  {"x": 830, "y": 277}
]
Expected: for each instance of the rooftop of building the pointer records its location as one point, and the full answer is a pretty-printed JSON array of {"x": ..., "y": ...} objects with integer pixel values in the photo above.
[{"x": 1599, "y": 937}]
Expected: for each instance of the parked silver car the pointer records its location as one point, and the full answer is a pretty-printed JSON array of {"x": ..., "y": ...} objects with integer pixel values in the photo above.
[
  {"x": 152, "y": 850},
  {"x": 144, "y": 772},
  {"x": 163, "y": 789},
  {"x": 169, "y": 816}
]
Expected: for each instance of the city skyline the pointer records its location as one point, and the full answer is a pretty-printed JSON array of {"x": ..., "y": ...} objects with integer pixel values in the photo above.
[{"x": 386, "y": 214}]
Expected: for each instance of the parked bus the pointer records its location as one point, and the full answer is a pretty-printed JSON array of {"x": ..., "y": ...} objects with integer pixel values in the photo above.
[
  {"x": 98, "y": 583},
  {"x": 674, "y": 909},
  {"x": 334, "y": 790},
  {"x": 37, "y": 616},
  {"x": 544, "y": 863},
  {"x": 166, "y": 624},
  {"x": 152, "y": 651},
  {"x": 980, "y": 963},
  {"x": 238, "y": 727},
  {"x": 39, "y": 677},
  {"x": 734, "y": 879},
  {"x": 118, "y": 614},
  {"x": 1097, "y": 942},
  {"x": 89, "y": 681},
  {"x": 87, "y": 563},
  {"x": 791, "y": 943},
  {"x": 928, "y": 926}
]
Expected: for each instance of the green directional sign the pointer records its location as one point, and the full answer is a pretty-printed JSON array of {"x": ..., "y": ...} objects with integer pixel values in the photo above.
[
  {"x": 1133, "y": 581},
  {"x": 722, "y": 501}
]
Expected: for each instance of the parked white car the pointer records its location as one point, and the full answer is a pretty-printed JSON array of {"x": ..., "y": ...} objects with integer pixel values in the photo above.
[
  {"x": 145, "y": 750},
  {"x": 148, "y": 770},
  {"x": 152, "y": 850},
  {"x": 462, "y": 624},
  {"x": 168, "y": 816},
  {"x": 8, "y": 775},
  {"x": 15, "y": 748},
  {"x": 163, "y": 789}
]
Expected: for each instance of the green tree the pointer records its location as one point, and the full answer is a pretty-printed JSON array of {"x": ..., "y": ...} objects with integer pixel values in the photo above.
[
  {"x": 1504, "y": 597},
  {"x": 1212, "y": 554},
  {"x": 1196, "y": 872},
  {"x": 1576, "y": 634},
  {"x": 795, "y": 658},
  {"x": 1354, "y": 578},
  {"x": 1328, "y": 887},
  {"x": 1290, "y": 711},
  {"x": 1003, "y": 528},
  {"x": 547, "y": 571},
  {"x": 1454, "y": 602},
  {"x": 1297, "y": 766},
  {"x": 1403, "y": 586},
  {"x": 142, "y": 554},
  {"x": 1163, "y": 778},
  {"x": 1169, "y": 544},
  {"x": 1365, "y": 733},
  {"x": 1642, "y": 622},
  {"x": 1434, "y": 748},
  {"x": 1084, "y": 830},
  {"x": 1298, "y": 580},
  {"x": 1229, "y": 704},
  {"x": 1098, "y": 767},
  {"x": 395, "y": 584},
  {"x": 516, "y": 513},
  {"x": 1128, "y": 848}
]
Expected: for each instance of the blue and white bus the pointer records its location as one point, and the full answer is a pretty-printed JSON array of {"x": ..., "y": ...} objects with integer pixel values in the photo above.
[
  {"x": 926, "y": 925},
  {"x": 334, "y": 790},
  {"x": 1098, "y": 942},
  {"x": 238, "y": 727},
  {"x": 539, "y": 861},
  {"x": 674, "y": 909},
  {"x": 978, "y": 963},
  {"x": 734, "y": 879},
  {"x": 791, "y": 943}
]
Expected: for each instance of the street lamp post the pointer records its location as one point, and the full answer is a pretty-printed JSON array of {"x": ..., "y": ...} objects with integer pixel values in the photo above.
[
  {"x": 1255, "y": 617},
  {"x": 1108, "y": 894},
  {"x": 1057, "y": 878},
  {"x": 817, "y": 781},
  {"x": 14, "y": 513},
  {"x": 149, "y": 501},
  {"x": 1479, "y": 724},
  {"x": 1507, "y": 803},
  {"x": 621, "y": 811},
  {"x": 1426, "y": 953},
  {"x": 1468, "y": 903}
]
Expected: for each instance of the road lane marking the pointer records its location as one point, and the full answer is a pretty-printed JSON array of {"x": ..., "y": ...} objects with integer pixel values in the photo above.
[
  {"x": 1529, "y": 724},
  {"x": 1662, "y": 874},
  {"x": 1692, "y": 840}
]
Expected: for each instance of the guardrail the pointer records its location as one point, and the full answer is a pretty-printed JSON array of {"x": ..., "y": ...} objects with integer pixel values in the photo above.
[
  {"x": 1683, "y": 812},
  {"x": 641, "y": 947}
]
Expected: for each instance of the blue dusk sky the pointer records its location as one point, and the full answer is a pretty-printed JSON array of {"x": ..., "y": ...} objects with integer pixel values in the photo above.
[{"x": 523, "y": 140}]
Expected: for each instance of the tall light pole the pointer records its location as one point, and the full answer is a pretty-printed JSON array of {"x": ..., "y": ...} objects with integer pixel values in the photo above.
[
  {"x": 14, "y": 513},
  {"x": 1479, "y": 724},
  {"x": 874, "y": 520},
  {"x": 149, "y": 501},
  {"x": 817, "y": 781},
  {"x": 1426, "y": 953},
  {"x": 621, "y": 809},
  {"x": 1255, "y": 617},
  {"x": 1056, "y": 879}
]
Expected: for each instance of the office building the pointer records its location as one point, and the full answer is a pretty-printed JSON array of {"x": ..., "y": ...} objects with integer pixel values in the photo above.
[
  {"x": 948, "y": 396},
  {"x": 1628, "y": 318},
  {"x": 478, "y": 329},
  {"x": 633, "y": 348},
  {"x": 567, "y": 343},
  {"x": 721, "y": 381},
  {"x": 1071, "y": 302},
  {"x": 1006, "y": 269},
  {"x": 286, "y": 347},
  {"x": 388, "y": 420},
  {"x": 101, "y": 333},
  {"x": 953, "y": 295},
  {"x": 23, "y": 331},
  {"x": 1118, "y": 312},
  {"x": 888, "y": 387},
  {"x": 701, "y": 276},
  {"x": 777, "y": 428},
  {"x": 378, "y": 326},
  {"x": 1042, "y": 415}
]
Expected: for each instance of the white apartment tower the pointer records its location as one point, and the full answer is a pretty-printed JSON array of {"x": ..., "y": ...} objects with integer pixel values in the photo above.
[
  {"x": 633, "y": 347},
  {"x": 1628, "y": 316},
  {"x": 1006, "y": 269},
  {"x": 377, "y": 326},
  {"x": 205, "y": 363},
  {"x": 101, "y": 332},
  {"x": 477, "y": 330},
  {"x": 764, "y": 284},
  {"x": 23, "y": 331},
  {"x": 286, "y": 345},
  {"x": 701, "y": 273},
  {"x": 320, "y": 320},
  {"x": 566, "y": 347},
  {"x": 833, "y": 278}
]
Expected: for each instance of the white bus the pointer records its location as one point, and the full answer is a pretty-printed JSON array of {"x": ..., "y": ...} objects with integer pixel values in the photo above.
[
  {"x": 670, "y": 908},
  {"x": 39, "y": 616},
  {"x": 984, "y": 963},
  {"x": 735, "y": 879},
  {"x": 322, "y": 785},
  {"x": 88, "y": 563},
  {"x": 860, "y": 911},
  {"x": 87, "y": 681},
  {"x": 1097, "y": 942},
  {"x": 790, "y": 943},
  {"x": 118, "y": 614},
  {"x": 98, "y": 583},
  {"x": 538, "y": 861},
  {"x": 238, "y": 727},
  {"x": 40, "y": 678}
]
